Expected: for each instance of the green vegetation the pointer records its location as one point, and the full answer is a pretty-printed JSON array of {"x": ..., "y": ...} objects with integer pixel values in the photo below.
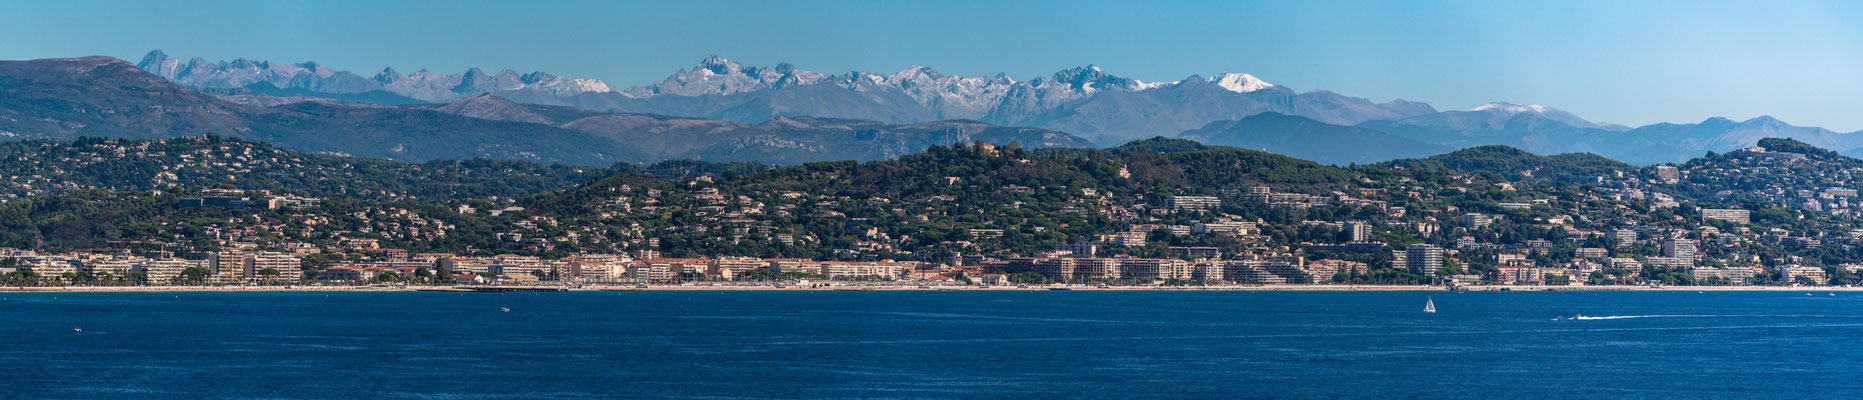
[
  {"x": 969, "y": 200},
  {"x": 39, "y": 167},
  {"x": 1518, "y": 165}
]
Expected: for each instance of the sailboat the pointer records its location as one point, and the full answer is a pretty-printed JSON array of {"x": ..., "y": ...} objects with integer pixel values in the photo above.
[{"x": 1429, "y": 306}]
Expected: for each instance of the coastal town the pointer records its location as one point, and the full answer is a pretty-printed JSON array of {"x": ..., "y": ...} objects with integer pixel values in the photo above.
[{"x": 1620, "y": 227}]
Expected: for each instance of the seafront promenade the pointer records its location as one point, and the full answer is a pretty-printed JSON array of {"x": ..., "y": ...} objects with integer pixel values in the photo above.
[{"x": 749, "y": 287}]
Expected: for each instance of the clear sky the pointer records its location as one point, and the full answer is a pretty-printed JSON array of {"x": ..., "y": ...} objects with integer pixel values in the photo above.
[{"x": 1627, "y": 62}]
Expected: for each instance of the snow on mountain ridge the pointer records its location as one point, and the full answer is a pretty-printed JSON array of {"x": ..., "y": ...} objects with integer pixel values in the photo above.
[
  {"x": 1241, "y": 83},
  {"x": 312, "y": 76},
  {"x": 1513, "y": 108},
  {"x": 964, "y": 96},
  {"x": 718, "y": 76}
]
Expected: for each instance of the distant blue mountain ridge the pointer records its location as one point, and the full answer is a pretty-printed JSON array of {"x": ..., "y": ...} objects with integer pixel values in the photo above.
[{"x": 1229, "y": 109}]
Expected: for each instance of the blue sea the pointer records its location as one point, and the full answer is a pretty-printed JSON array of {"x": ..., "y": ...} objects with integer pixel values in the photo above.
[{"x": 931, "y": 344}]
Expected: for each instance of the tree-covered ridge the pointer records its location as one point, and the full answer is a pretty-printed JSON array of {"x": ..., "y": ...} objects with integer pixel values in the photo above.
[
  {"x": 983, "y": 200},
  {"x": 1787, "y": 171},
  {"x": 1038, "y": 200},
  {"x": 41, "y": 167},
  {"x": 1159, "y": 144},
  {"x": 101, "y": 219},
  {"x": 1518, "y": 165},
  {"x": 1789, "y": 145}
]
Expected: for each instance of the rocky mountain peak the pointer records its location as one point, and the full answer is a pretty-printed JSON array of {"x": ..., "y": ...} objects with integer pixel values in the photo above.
[{"x": 719, "y": 66}]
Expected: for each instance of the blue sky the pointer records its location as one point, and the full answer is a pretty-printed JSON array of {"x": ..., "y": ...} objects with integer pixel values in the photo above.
[{"x": 1628, "y": 62}]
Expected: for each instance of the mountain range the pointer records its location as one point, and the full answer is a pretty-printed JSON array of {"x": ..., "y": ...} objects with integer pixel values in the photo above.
[
  {"x": 106, "y": 97},
  {"x": 1084, "y": 101}
]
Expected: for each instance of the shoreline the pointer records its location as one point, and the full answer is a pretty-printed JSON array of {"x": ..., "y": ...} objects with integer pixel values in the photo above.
[{"x": 1225, "y": 288}]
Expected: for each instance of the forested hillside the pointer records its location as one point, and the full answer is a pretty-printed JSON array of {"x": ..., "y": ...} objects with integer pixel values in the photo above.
[
  {"x": 40, "y": 167},
  {"x": 1519, "y": 165},
  {"x": 974, "y": 200}
]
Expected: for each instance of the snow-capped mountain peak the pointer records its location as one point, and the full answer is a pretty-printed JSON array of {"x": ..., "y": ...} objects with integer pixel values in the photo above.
[
  {"x": 157, "y": 62},
  {"x": 1240, "y": 83},
  {"x": 1080, "y": 81},
  {"x": 719, "y": 66},
  {"x": 312, "y": 76},
  {"x": 1512, "y": 108},
  {"x": 718, "y": 76},
  {"x": 1142, "y": 85}
]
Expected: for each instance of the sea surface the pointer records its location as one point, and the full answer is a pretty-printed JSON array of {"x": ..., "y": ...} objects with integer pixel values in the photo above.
[{"x": 931, "y": 344}]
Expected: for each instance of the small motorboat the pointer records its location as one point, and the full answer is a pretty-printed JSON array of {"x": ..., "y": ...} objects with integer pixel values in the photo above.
[{"x": 504, "y": 309}]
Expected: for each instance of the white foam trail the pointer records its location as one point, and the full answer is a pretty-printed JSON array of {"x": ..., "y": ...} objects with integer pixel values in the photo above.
[{"x": 1584, "y": 318}]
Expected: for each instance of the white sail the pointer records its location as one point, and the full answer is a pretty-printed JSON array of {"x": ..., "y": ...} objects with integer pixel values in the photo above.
[{"x": 1429, "y": 306}]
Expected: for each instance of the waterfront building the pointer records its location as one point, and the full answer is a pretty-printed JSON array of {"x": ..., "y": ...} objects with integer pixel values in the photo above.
[
  {"x": 884, "y": 270},
  {"x": 1209, "y": 271},
  {"x": 1732, "y": 274},
  {"x": 344, "y": 274},
  {"x": 289, "y": 267},
  {"x": 1249, "y": 273},
  {"x": 798, "y": 265},
  {"x": 1290, "y": 271},
  {"x": 1153, "y": 268},
  {"x": 1096, "y": 269},
  {"x": 466, "y": 265},
  {"x": 115, "y": 266},
  {"x": 50, "y": 266},
  {"x": 669, "y": 269},
  {"x": 1815, "y": 274},
  {"x": 600, "y": 268},
  {"x": 1423, "y": 258},
  {"x": 732, "y": 267},
  {"x": 1060, "y": 269},
  {"x": 229, "y": 266},
  {"x": 1329, "y": 268},
  {"x": 1518, "y": 275},
  {"x": 168, "y": 270},
  {"x": 532, "y": 269}
]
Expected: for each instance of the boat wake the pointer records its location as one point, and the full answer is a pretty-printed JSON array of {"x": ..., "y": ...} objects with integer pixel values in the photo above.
[
  {"x": 1586, "y": 318},
  {"x": 1606, "y": 317}
]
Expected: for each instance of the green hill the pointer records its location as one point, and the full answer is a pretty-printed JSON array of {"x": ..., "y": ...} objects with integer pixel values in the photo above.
[{"x": 1518, "y": 165}]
